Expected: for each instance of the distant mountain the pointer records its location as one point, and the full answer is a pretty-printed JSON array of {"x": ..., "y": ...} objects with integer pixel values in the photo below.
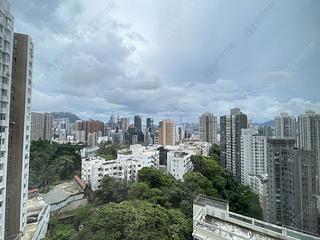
[{"x": 72, "y": 117}]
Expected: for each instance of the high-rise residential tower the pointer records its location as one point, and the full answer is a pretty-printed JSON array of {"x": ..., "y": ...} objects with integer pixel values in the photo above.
[
  {"x": 41, "y": 126},
  {"x": 167, "y": 132},
  {"x": 208, "y": 128},
  {"x": 309, "y": 136},
  {"x": 19, "y": 137},
  {"x": 6, "y": 47},
  {"x": 230, "y": 141},
  {"x": 292, "y": 199},
  {"x": 286, "y": 126},
  {"x": 253, "y": 154}
]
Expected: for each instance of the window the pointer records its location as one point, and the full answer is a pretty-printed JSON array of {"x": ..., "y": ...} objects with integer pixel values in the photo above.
[
  {"x": 2, "y": 116},
  {"x": 4, "y": 92},
  {"x": 3, "y": 104},
  {"x": 5, "y": 80}
]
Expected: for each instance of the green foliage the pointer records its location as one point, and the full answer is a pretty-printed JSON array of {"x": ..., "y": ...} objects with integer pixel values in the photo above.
[
  {"x": 156, "y": 179},
  {"x": 241, "y": 199},
  {"x": 114, "y": 190},
  {"x": 52, "y": 162},
  {"x": 62, "y": 232},
  {"x": 108, "y": 152},
  {"x": 137, "y": 220},
  {"x": 81, "y": 214},
  {"x": 215, "y": 152}
]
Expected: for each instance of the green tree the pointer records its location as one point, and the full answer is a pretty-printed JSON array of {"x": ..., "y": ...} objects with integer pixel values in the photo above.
[
  {"x": 113, "y": 189},
  {"x": 52, "y": 162},
  {"x": 156, "y": 179},
  {"x": 82, "y": 214},
  {"x": 137, "y": 220},
  {"x": 63, "y": 232}
]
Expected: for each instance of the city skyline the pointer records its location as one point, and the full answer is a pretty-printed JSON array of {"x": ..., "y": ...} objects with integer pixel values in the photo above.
[
  {"x": 150, "y": 69},
  {"x": 134, "y": 119}
]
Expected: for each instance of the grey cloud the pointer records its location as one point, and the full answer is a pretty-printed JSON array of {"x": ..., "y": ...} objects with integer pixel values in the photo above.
[{"x": 94, "y": 59}]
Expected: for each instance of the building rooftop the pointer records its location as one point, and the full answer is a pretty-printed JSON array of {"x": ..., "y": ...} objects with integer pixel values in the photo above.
[
  {"x": 61, "y": 192},
  {"x": 213, "y": 220}
]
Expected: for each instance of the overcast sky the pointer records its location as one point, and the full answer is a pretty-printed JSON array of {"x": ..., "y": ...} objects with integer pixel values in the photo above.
[{"x": 172, "y": 58}]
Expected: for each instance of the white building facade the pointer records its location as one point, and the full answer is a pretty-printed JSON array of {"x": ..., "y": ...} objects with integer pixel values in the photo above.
[
  {"x": 179, "y": 157},
  {"x": 6, "y": 47},
  {"x": 126, "y": 166},
  {"x": 253, "y": 154}
]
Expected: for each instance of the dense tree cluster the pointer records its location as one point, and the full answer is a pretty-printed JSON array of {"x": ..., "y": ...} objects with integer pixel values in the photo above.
[
  {"x": 160, "y": 207},
  {"x": 51, "y": 163}
]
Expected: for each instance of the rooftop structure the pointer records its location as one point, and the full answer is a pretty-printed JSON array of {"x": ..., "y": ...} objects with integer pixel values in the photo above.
[
  {"x": 65, "y": 194},
  {"x": 213, "y": 220}
]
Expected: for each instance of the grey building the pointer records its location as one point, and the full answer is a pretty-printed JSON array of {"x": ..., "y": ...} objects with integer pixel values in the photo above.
[
  {"x": 138, "y": 123},
  {"x": 150, "y": 124},
  {"x": 19, "y": 137},
  {"x": 230, "y": 141},
  {"x": 41, "y": 126},
  {"x": 292, "y": 185},
  {"x": 309, "y": 135},
  {"x": 208, "y": 128},
  {"x": 285, "y": 126}
]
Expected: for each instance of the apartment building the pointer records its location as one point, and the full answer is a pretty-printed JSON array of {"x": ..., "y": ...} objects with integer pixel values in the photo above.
[
  {"x": 292, "y": 185},
  {"x": 230, "y": 141},
  {"x": 19, "y": 140},
  {"x": 253, "y": 154},
  {"x": 41, "y": 126},
  {"x": 208, "y": 128},
  {"x": 167, "y": 132},
  {"x": 6, "y": 48},
  {"x": 126, "y": 166}
]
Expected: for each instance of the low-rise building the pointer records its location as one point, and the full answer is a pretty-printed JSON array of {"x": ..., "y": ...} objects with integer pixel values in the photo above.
[
  {"x": 179, "y": 157},
  {"x": 126, "y": 166},
  {"x": 212, "y": 220},
  {"x": 179, "y": 163}
]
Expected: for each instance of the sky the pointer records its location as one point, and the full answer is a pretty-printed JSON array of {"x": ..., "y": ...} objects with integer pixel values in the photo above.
[{"x": 173, "y": 59}]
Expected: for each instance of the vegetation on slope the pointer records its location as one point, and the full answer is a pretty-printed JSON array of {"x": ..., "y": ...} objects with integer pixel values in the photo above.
[{"x": 51, "y": 163}]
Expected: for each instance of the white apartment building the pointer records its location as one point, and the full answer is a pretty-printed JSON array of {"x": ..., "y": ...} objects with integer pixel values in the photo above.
[
  {"x": 126, "y": 166},
  {"x": 179, "y": 163},
  {"x": 6, "y": 47},
  {"x": 253, "y": 154},
  {"x": 179, "y": 157}
]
